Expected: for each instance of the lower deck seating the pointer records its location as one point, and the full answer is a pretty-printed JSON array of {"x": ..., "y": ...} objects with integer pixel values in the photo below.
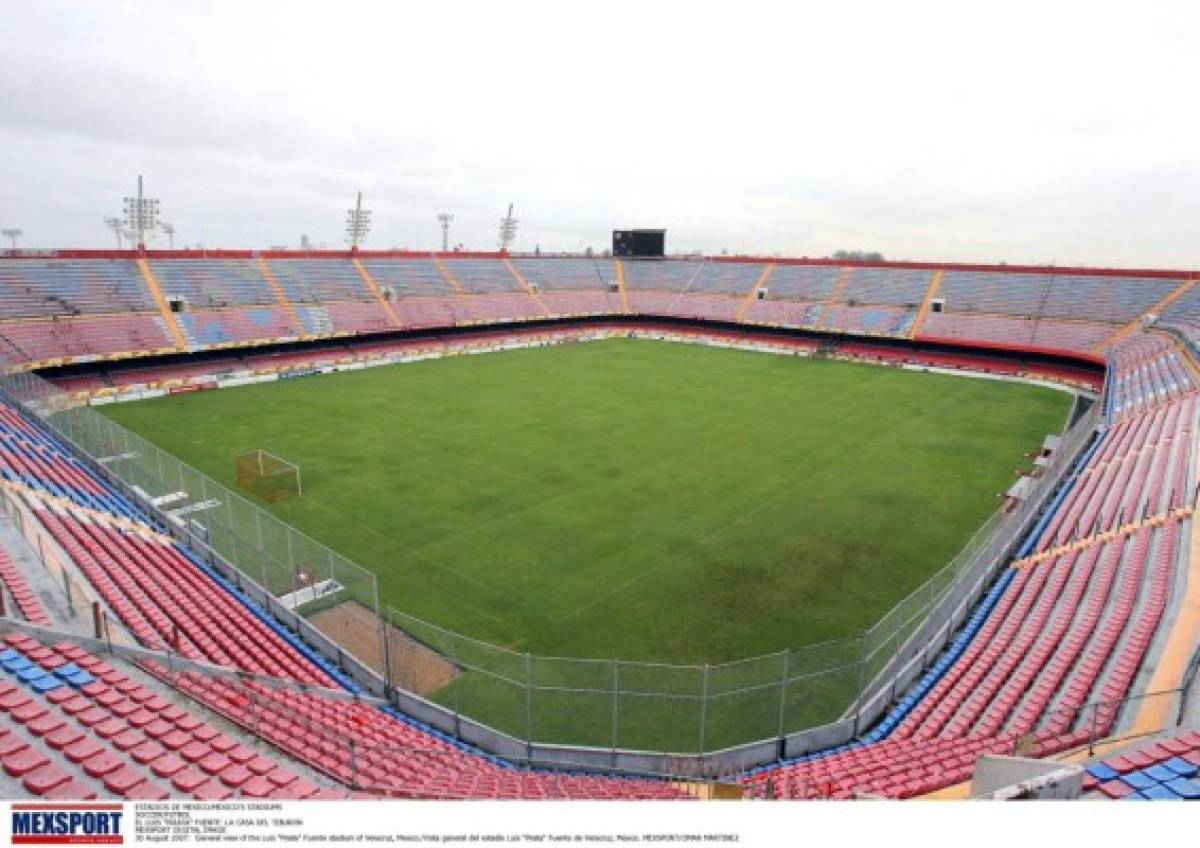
[
  {"x": 422, "y": 312},
  {"x": 598, "y": 302},
  {"x": 782, "y": 313},
  {"x": 85, "y": 337},
  {"x": 1147, "y": 369},
  {"x": 205, "y": 328},
  {"x": 712, "y": 307},
  {"x": 869, "y": 320},
  {"x": 502, "y": 307},
  {"x": 20, "y": 593},
  {"x": 1059, "y": 632},
  {"x": 1165, "y": 770},
  {"x": 78, "y": 728}
]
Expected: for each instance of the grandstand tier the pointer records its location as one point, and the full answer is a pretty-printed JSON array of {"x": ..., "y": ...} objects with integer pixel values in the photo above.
[{"x": 1070, "y": 623}]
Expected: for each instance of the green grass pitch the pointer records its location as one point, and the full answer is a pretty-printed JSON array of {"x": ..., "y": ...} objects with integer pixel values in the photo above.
[{"x": 630, "y": 498}]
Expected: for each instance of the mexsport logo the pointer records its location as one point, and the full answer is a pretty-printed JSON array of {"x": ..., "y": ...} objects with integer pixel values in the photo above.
[{"x": 75, "y": 824}]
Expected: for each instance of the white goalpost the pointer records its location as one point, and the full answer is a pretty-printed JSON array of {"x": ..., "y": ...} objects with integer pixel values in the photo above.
[{"x": 268, "y": 476}]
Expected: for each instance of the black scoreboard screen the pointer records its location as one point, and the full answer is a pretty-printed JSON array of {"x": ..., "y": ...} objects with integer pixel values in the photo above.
[{"x": 639, "y": 244}]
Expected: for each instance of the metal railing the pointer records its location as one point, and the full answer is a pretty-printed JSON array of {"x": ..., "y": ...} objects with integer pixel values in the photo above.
[
  {"x": 1093, "y": 729},
  {"x": 555, "y": 710}
]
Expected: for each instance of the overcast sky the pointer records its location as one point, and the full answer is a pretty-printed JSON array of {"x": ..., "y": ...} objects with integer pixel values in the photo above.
[{"x": 1013, "y": 131}]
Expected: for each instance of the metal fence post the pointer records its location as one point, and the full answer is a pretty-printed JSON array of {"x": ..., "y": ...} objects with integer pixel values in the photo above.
[
  {"x": 528, "y": 699},
  {"x": 385, "y": 657},
  {"x": 616, "y": 701},
  {"x": 862, "y": 684},
  {"x": 291, "y": 560},
  {"x": 783, "y": 683}
]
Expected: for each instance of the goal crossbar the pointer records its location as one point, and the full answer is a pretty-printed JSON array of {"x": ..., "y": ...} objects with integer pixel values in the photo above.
[{"x": 269, "y": 476}]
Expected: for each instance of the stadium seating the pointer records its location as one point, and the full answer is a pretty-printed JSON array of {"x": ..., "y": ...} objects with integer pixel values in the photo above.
[
  {"x": 232, "y": 301},
  {"x": 1147, "y": 370},
  {"x": 56, "y": 287},
  {"x": 85, "y": 338},
  {"x": 1077, "y": 336},
  {"x": 1071, "y": 621},
  {"x": 1109, "y": 299},
  {"x": 868, "y": 320},
  {"x": 205, "y": 328},
  {"x": 213, "y": 283},
  {"x": 572, "y": 286},
  {"x": 27, "y": 604},
  {"x": 79, "y": 727},
  {"x": 1067, "y": 627},
  {"x": 886, "y": 286},
  {"x": 318, "y": 281},
  {"x": 1164, "y": 770}
]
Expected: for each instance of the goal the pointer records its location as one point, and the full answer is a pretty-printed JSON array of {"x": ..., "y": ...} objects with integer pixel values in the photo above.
[{"x": 268, "y": 476}]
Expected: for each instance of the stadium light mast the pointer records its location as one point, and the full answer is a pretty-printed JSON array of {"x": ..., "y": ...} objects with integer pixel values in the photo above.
[
  {"x": 169, "y": 229},
  {"x": 508, "y": 230},
  {"x": 114, "y": 224},
  {"x": 358, "y": 223},
  {"x": 12, "y": 234},
  {"x": 445, "y": 218},
  {"x": 141, "y": 215}
]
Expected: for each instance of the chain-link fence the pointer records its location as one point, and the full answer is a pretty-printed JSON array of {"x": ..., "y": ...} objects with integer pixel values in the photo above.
[
  {"x": 784, "y": 703},
  {"x": 291, "y": 566}
]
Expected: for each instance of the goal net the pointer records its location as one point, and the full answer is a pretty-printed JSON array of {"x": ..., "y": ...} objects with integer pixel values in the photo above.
[{"x": 268, "y": 476}]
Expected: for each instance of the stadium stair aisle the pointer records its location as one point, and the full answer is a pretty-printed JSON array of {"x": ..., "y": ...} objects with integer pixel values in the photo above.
[
  {"x": 622, "y": 289},
  {"x": 829, "y": 303},
  {"x": 1157, "y": 309},
  {"x": 934, "y": 285},
  {"x": 460, "y": 293},
  {"x": 512, "y": 269},
  {"x": 168, "y": 316},
  {"x": 376, "y": 292},
  {"x": 281, "y": 297},
  {"x": 752, "y": 295},
  {"x": 1181, "y": 644}
]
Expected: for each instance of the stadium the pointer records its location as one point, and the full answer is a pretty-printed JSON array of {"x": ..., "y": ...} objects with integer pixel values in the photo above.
[{"x": 360, "y": 523}]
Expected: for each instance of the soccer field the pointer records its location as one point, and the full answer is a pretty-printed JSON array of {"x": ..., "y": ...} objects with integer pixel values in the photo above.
[{"x": 626, "y": 498}]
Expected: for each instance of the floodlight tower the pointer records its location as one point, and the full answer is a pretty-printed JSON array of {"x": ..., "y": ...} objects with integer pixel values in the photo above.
[
  {"x": 169, "y": 229},
  {"x": 114, "y": 224},
  {"x": 358, "y": 223},
  {"x": 141, "y": 215},
  {"x": 446, "y": 218},
  {"x": 508, "y": 230},
  {"x": 12, "y": 234}
]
